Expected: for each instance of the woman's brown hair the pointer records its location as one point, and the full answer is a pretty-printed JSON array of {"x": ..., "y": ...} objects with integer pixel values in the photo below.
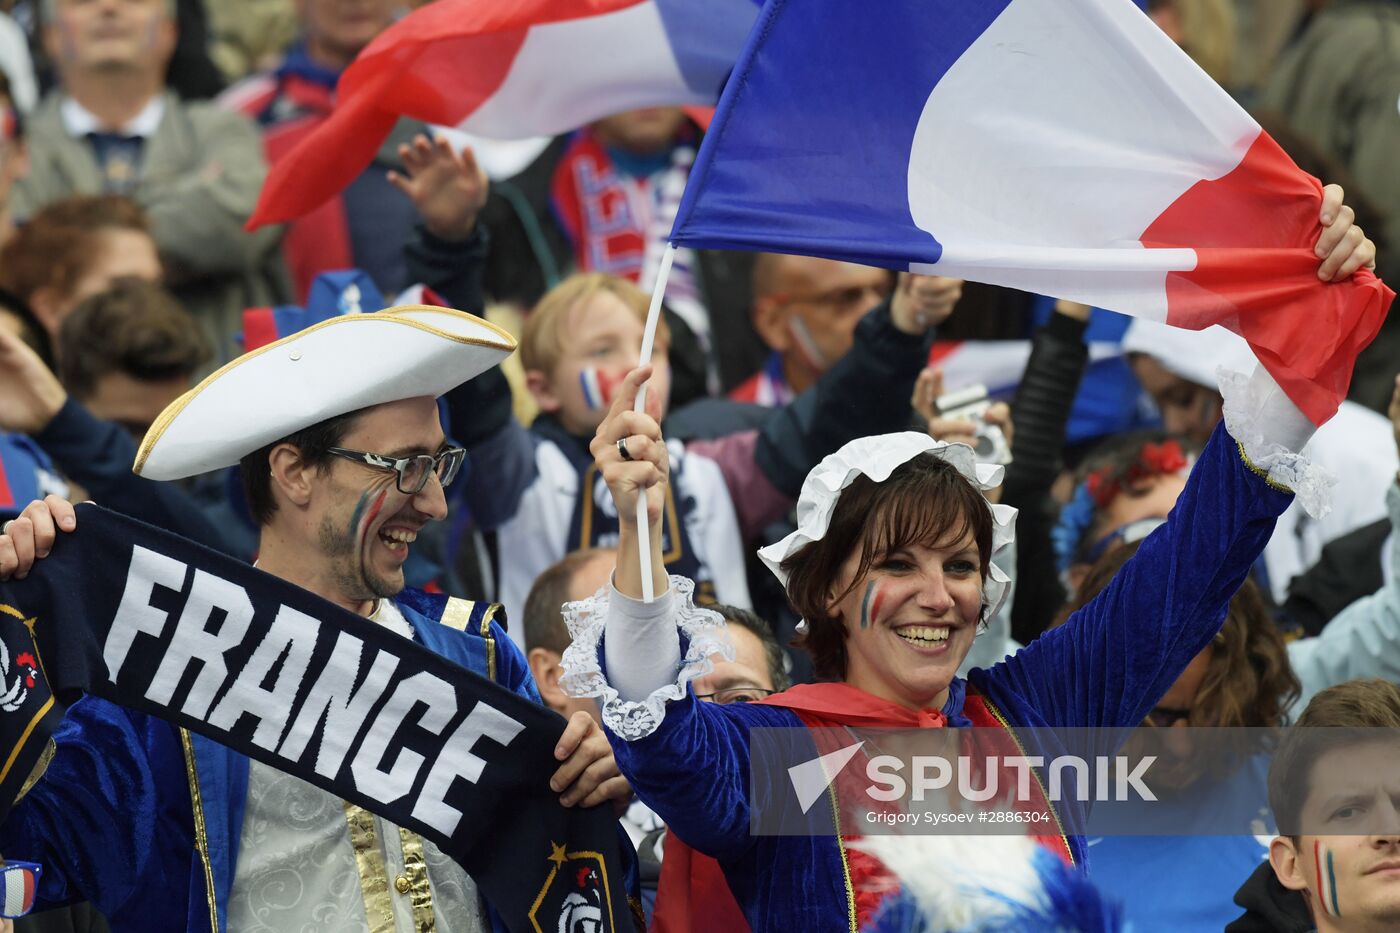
[
  {"x": 1249, "y": 681},
  {"x": 925, "y": 501}
]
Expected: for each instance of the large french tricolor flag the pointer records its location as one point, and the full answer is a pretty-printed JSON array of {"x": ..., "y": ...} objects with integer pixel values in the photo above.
[
  {"x": 510, "y": 69},
  {"x": 1064, "y": 147}
]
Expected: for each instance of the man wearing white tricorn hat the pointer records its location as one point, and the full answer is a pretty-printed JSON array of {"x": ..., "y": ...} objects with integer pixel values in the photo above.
[{"x": 344, "y": 460}]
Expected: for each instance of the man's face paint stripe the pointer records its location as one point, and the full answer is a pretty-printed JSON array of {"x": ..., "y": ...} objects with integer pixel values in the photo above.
[
  {"x": 373, "y": 512},
  {"x": 1326, "y": 884},
  {"x": 359, "y": 511}
]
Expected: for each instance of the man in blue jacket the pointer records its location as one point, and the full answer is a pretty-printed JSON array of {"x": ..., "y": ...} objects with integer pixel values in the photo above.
[{"x": 345, "y": 461}]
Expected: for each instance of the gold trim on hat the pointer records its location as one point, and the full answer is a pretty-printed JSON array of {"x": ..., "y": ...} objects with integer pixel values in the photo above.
[{"x": 173, "y": 410}]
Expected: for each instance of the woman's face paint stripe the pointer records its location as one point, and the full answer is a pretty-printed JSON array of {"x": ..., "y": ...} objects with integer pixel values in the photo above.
[{"x": 870, "y": 604}]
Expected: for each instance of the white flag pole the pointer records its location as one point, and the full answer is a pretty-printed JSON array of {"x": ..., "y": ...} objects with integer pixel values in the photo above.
[{"x": 648, "y": 339}]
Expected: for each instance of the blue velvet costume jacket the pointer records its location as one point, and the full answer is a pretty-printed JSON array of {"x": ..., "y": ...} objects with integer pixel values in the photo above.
[
  {"x": 1107, "y": 667},
  {"x": 144, "y": 819}
]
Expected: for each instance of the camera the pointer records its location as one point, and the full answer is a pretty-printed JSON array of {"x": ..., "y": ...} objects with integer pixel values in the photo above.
[{"x": 971, "y": 404}]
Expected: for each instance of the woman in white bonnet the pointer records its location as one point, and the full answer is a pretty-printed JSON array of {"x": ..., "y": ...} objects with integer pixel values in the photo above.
[{"x": 891, "y": 569}]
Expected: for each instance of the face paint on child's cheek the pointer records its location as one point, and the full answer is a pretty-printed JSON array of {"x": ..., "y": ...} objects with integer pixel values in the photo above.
[
  {"x": 870, "y": 604},
  {"x": 1326, "y": 879},
  {"x": 598, "y": 387}
]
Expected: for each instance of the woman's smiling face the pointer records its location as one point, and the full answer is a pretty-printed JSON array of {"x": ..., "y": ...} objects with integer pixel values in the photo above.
[{"x": 911, "y": 619}]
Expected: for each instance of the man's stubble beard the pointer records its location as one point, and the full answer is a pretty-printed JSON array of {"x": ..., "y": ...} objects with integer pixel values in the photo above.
[{"x": 348, "y": 569}]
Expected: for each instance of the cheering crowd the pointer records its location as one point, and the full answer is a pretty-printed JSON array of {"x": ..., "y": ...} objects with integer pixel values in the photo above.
[{"x": 872, "y": 499}]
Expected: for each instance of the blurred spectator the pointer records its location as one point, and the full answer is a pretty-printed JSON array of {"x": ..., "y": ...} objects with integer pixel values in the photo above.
[
  {"x": 367, "y": 224},
  {"x": 1263, "y": 28},
  {"x": 578, "y": 576},
  {"x": 1338, "y": 84},
  {"x": 14, "y": 157},
  {"x": 17, "y": 65},
  {"x": 758, "y": 668},
  {"x": 15, "y": 316},
  {"x": 192, "y": 73},
  {"x": 112, "y": 128},
  {"x": 630, "y": 169},
  {"x": 249, "y": 35},
  {"x": 1178, "y": 369},
  {"x": 806, "y": 310},
  {"x": 133, "y": 348},
  {"x": 1205, "y": 30},
  {"x": 72, "y": 249},
  {"x": 128, "y": 352}
]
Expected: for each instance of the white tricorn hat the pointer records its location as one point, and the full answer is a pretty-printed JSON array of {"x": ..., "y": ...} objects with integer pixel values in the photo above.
[
  {"x": 340, "y": 365},
  {"x": 877, "y": 457}
]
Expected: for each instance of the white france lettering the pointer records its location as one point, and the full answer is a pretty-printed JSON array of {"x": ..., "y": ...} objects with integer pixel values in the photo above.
[
  {"x": 395, "y": 783},
  {"x": 458, "y": 760},
  {"x": 135, "y": 613},
  {"x": 344, "y": 708},
  {"x": 193, "y": 642},
  {"x": 292, "y": 633}
]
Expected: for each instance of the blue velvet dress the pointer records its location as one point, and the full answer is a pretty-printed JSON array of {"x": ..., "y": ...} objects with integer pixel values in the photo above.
[
  {"x": 112, "y": 820},
  {"x": 1106, "y": 668}
]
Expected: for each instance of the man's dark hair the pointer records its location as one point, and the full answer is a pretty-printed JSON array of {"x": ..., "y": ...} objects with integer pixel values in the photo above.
[
  {"x": 544, "y": 623},
  {"x": 772, "y": 651},
  {"x": 1329, "y": 722},
  {"x": 136, "y": 328},
  {"x": 313, "y": 442}
]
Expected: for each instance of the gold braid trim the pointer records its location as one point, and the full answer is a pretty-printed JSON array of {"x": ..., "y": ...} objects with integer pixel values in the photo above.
[
  {"x": 1260, "y": 471},
  {"x": 415, "y": 869}
]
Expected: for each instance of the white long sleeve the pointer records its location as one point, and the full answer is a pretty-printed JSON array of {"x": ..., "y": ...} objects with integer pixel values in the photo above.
[
  {"x": 1272, "y": 432},
  {"x": 641, "y": 645}
]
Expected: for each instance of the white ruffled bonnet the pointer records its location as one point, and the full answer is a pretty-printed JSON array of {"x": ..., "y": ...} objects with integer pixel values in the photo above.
[{"x": 877, "y": 457}]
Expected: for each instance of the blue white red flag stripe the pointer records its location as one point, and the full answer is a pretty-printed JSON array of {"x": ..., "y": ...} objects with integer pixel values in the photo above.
[
  {"x": 20, "y": 883},
  {"x": 592, "y": 391},
  {"x": 1063, "y": 147},
  {"x": 510, "y": 70}
]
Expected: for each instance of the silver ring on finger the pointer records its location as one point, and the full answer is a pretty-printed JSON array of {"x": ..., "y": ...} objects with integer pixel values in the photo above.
[
  {"x": 5, "y": 528},
  {"x": 622, "y": 449}
]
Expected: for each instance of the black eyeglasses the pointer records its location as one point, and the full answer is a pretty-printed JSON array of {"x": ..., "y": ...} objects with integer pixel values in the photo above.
[
  {"x": 735, "y": 695},
  {"x": 413, "y": 471},
  {"x": 1165, "y": 717}
]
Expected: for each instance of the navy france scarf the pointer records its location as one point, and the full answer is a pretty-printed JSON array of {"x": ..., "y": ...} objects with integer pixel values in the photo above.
[{"x": 156, "y": 623}]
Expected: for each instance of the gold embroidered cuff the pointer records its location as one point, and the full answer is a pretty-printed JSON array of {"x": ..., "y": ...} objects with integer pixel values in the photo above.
[{"x": 1260, "y": 471}]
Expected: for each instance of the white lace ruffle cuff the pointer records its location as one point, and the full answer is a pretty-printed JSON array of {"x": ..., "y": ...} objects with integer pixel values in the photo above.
[
  {"x": 1272, "y": 432},
  {"x": 587, "y": 620}
]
